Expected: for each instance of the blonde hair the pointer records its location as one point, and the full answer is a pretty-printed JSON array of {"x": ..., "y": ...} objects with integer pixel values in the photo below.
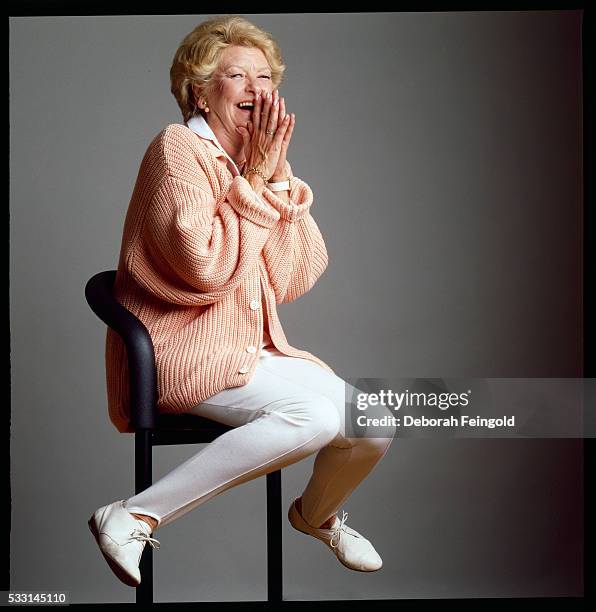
[{"x": 197, "y": 57}]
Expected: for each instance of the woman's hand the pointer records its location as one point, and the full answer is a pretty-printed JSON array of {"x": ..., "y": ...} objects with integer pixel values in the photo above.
[
  {"x": 280, "y": 171},
  {"x": 264, "y": 136}
]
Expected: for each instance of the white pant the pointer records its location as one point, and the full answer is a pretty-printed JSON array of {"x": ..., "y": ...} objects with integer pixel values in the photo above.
[{"x": 291, "y": 408}]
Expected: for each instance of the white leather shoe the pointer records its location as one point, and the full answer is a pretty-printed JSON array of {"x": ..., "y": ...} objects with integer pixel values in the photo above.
[
  {"x": 121, "y": 538},
  {"x": 352, "y": 549}
]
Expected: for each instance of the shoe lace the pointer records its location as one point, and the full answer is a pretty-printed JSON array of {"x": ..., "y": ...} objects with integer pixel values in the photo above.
[
  {"x": 337, "y": 531},
  {"x": 139, "y": 534}
]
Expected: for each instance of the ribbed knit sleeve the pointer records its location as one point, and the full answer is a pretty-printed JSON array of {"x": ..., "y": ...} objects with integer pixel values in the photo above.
[
  {"x": 196, "y": 245},
  {"x": 301, "y": 199},
  {"x": 297, "y": 240}
]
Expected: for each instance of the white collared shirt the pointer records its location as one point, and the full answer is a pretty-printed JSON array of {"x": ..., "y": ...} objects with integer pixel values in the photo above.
[{"x": 199, "y": 125}]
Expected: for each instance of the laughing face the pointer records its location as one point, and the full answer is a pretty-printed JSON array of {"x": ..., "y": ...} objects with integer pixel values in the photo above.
[{"x": 242, "y": 73}]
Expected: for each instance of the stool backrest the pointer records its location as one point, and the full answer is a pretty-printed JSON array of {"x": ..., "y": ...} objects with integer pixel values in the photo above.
[{"x": 139, "y": 348}]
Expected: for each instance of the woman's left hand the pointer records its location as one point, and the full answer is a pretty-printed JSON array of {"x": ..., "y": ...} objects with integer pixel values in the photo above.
[{"x": 280, "y": 171}]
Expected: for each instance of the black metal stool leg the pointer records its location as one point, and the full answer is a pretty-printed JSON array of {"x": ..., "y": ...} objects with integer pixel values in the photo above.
[
  {"x": 274, "y": 539},
  {"x": 143, "y": 480}
]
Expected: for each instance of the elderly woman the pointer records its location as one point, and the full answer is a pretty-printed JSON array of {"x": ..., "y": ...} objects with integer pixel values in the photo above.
[{"x": 218, "y": 232}]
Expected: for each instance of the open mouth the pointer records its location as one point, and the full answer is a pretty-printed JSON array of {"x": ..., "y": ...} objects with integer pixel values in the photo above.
[{"x": 246, "y": 108}]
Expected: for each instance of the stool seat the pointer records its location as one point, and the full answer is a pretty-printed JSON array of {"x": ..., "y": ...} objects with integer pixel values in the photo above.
[
  {"x": 153, "y": 428},
  {"x": 189, "y": 421},
  {"x": 186, "y": 429}
]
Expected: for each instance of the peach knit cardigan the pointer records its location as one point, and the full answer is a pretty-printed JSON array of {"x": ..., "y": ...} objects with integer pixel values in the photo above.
[{"x": 199, "y": 251}]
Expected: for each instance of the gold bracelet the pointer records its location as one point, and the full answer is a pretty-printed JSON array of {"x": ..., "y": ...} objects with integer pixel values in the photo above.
[{"x": 256, "y": 171}]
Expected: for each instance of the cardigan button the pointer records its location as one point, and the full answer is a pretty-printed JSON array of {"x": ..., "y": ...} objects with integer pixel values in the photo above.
[
  {"x": 251, "y": 349},
  {"x": 254, "y": 304},
  {"x": 243, "y": 369}
]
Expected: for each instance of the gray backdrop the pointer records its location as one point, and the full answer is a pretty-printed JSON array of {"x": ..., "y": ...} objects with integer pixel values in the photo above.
[{"x": 444, "y": 152}]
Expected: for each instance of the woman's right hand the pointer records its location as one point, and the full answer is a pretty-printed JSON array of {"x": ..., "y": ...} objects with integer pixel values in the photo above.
[{"x": 261, "y": 149}]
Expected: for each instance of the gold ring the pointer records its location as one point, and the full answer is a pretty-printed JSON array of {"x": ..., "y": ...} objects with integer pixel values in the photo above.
[{"x": 270, "y": 132}]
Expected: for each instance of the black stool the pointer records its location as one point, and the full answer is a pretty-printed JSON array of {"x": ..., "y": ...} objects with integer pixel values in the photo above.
[{"x": 154, "y": 429}]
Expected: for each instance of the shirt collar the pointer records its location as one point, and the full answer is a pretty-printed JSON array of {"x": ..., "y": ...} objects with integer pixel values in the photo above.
[{"x": 199, "y": 125}]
